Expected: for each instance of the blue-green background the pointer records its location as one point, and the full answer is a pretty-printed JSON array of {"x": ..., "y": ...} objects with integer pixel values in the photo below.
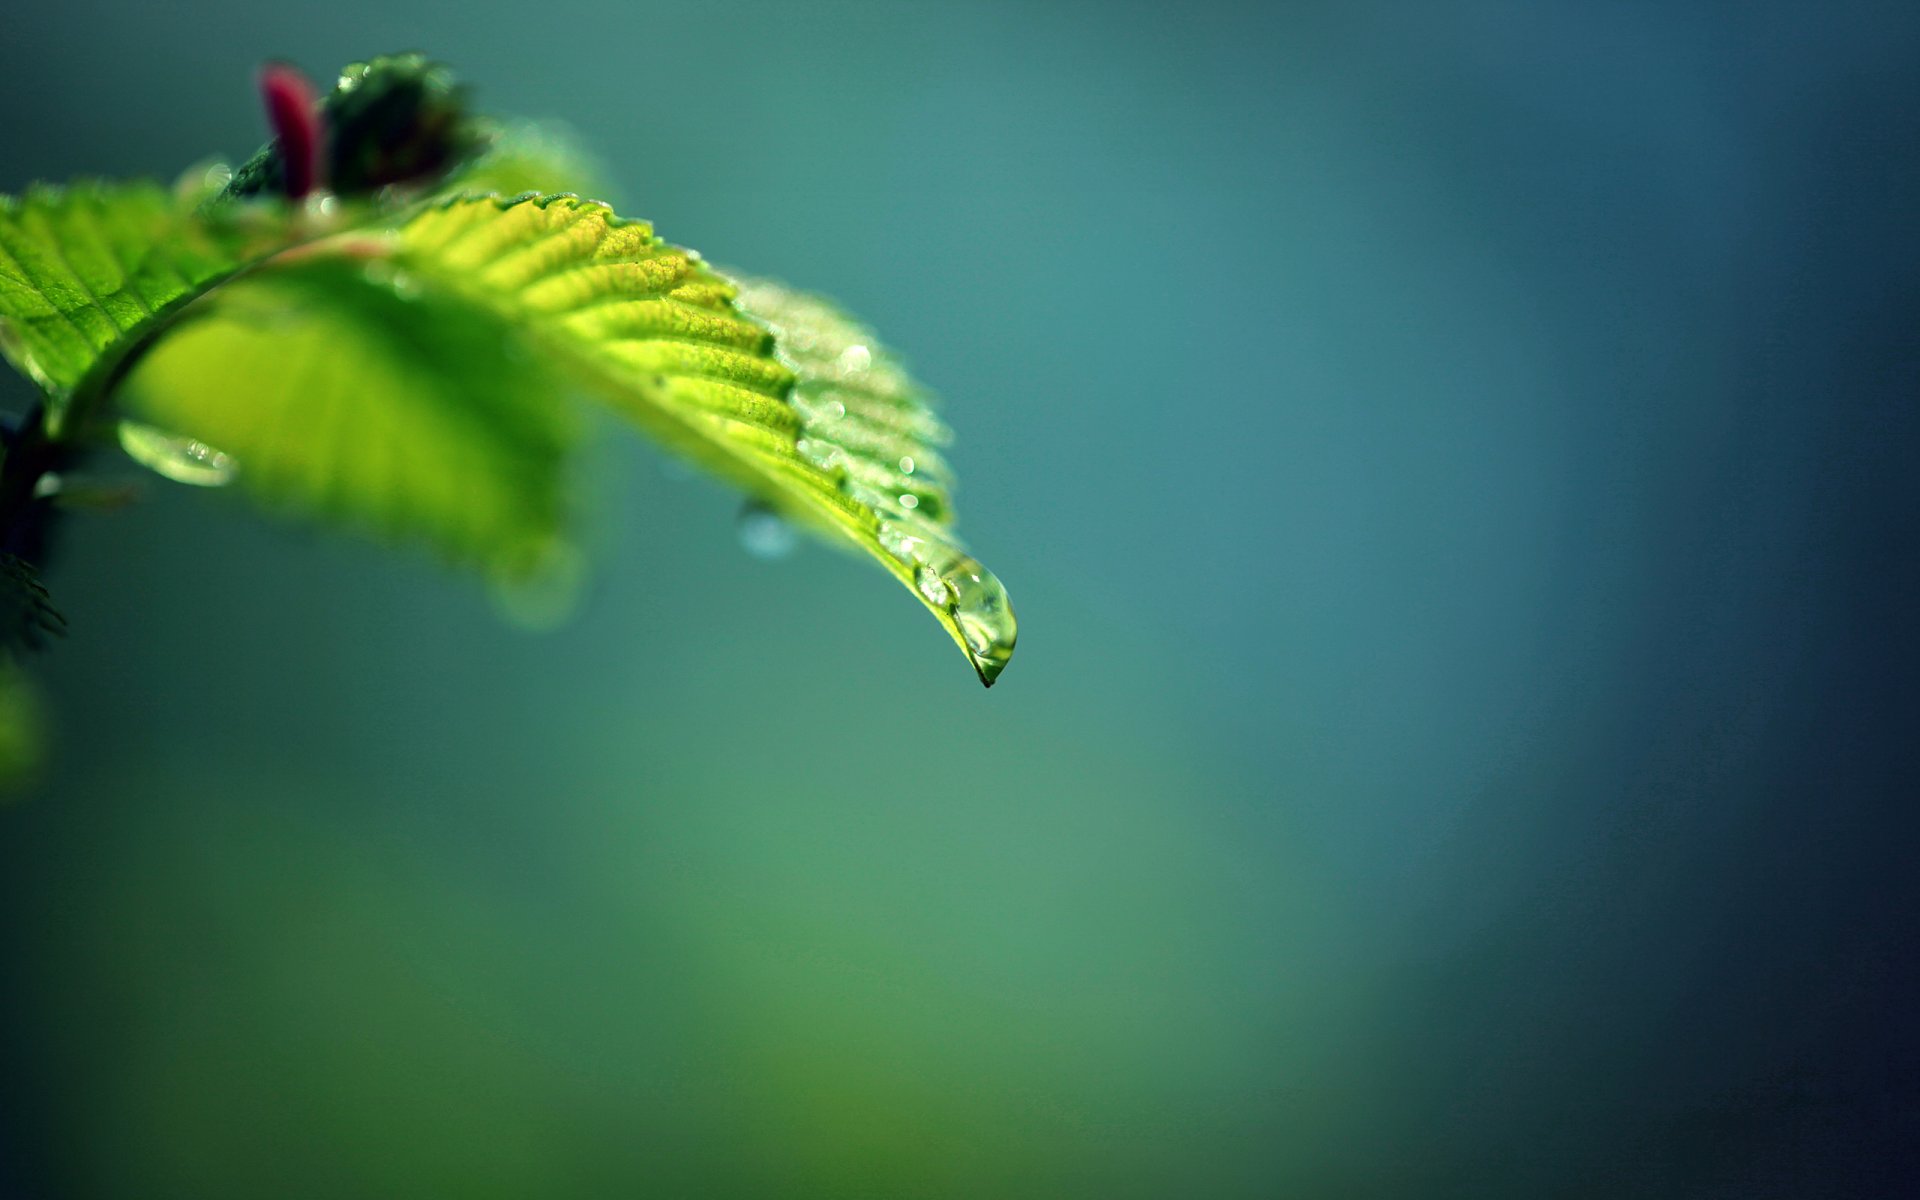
[{"x": 1449, "y": 460}]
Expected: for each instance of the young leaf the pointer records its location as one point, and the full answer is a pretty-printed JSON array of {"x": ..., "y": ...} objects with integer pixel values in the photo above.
[
  {"x": 363, "y": 362},
  {"x": 345, "y": 390},
  {"x": 87, "y": 271},
  {"x": 863, "y": 419},
  {"x": 791, "y": 402}
]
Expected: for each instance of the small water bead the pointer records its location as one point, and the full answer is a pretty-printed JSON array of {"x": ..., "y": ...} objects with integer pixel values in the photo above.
[
  {"x": 181, "y": 459},
  {"x": 764, "y": 533},
  {"x": 816, "y": 409},
  {"x": 915, "y": 525},
  {"x": 890, "y": 505},
  {"x": 932, "y": 587},
  {"x": 853, "y": 360},
  {"x": 926, "y": 508},
  {"x": 202, "y": 180},
  {"x": 906, "y": 464},
  {"x": 902, "y": 545},
  {"x": 878, "y": 449}
]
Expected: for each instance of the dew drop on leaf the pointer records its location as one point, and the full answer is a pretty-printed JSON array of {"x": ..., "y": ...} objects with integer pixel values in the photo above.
[
  {"x": 181, "y": 459},
  {"x": 853, "y": 360}
]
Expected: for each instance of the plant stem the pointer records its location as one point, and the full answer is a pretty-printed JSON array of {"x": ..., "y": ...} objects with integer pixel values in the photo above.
[{"x": 31, "y": 452}]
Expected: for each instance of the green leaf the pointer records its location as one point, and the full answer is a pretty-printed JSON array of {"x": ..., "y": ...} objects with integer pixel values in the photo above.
[
  {"x": 784, "y": 397},
  {"x": 87, "y": 271},
  {"x": 342, "y": 389},
  {"x": 368, "y": 367}
]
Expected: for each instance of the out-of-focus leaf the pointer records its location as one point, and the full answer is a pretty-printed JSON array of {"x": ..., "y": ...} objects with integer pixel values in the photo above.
[
  {"x": 87, "y": 270},
  {"x": 350, "y": 391},
  {"x": 530, "y": 156}
]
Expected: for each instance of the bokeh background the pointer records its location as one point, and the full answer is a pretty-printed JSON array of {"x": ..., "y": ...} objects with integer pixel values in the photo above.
[{"x": 1450, "y": 461}]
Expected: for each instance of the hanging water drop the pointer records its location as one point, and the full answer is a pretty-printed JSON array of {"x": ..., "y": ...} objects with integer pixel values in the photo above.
[
  {"x": 542, "y": 593},
  {"x": 765, "y": 533},
  {"x": 181, "y": 459},
  {"x": 985, "y": 617}
]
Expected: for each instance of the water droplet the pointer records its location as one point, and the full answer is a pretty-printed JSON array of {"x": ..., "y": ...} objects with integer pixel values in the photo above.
[
  {"x": 546, "y": 593},
  {"x": 181, "y": 459},
  {"x": 985, "y": 617},
  {"x": 853, "y": 360},
  {"x": 932, "y": 587},
  {"x": 201, "y": 180},
  {"x": 909, "y": 500},
  {"x": 817, "y": 410},
  {"x": 765, "y": 533},
  {"x": 906, "y": 464}
]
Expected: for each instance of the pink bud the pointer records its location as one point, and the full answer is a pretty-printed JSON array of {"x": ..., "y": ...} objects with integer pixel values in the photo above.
[{"x": 293, "y": 110}]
